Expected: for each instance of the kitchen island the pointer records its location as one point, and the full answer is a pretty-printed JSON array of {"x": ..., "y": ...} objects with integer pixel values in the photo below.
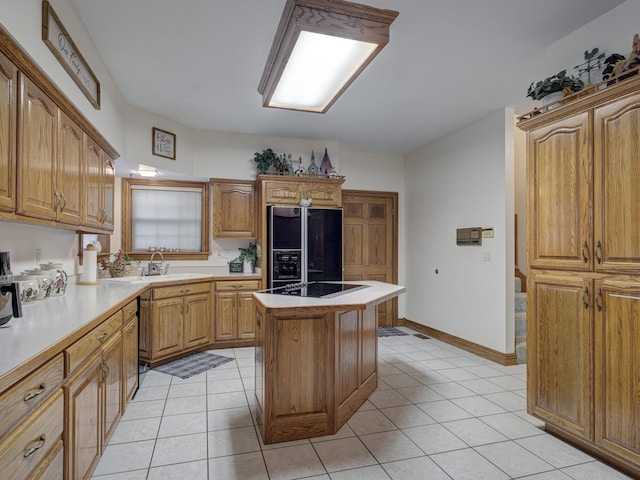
[{"x": 316, "y": 359}]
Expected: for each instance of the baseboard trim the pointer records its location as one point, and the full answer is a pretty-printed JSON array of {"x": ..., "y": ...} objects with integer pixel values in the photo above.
[{"x": 484, "y": 352}]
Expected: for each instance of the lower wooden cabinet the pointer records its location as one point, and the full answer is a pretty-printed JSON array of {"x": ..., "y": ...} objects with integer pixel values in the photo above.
[
  {"x": 559, "y": 346},
  {"x": 616, "y": 376},
  {"x": 234, "y": 310},
  {"x": 583, "y": 334},
  {"x": 174, "y": 320},
  {"x": 94, "y": 402}
]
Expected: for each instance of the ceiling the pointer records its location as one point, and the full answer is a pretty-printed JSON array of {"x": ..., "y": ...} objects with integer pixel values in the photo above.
[{"x": 448, "y": 63}]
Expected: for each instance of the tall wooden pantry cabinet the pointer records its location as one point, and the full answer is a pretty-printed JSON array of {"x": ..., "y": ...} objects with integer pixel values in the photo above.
[{"x": 583, "y": 256}]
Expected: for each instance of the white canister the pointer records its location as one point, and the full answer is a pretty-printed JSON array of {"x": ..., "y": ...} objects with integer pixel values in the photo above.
[
  {"x": 59, "y": 286},
  {"x": 27, "y": 289}
]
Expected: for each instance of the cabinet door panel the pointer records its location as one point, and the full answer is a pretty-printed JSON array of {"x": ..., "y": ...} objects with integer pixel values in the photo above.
[
  {"x": 559, "y": 351},
  {"x": 616, "y": 189},
  {"x": 37, "y": 162},
  {"x": 559, "y": 195},
  {"x": 8, "y": 120},
  {"x": 107, "y": 184},
  {"x": 112, "y": 387},
  {"x": 83, "y": 428},
  {"x": 234, "y": 209},
  {"x": 93, "y": 163},
  {"x": 197, "y": 320},
  {"x": 225, "y": 314},
  {"x": 324, "y": 195},
  {"x": 69, "y": 171},
  {"x": 167, "y": 328},
  {"x": 246, "y": 316},
  {"x": 130, "y": 360},
  {"x": 617, "y": 359},
  {"x": 282, "y": 193}
]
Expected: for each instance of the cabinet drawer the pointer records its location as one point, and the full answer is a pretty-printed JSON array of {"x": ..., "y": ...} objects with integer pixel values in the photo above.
[
  {"x": 281, "y": 193},
  {"x": 130, "y": 311},
  {"x": 180, "y": 290},
  {"x": 79, "y": 351},
  {"x": 28, "y": 445},
  {"x": 22, "y": 398},
  {"x": 238, "y": 285},
  {"x": 52, "y": 467}
]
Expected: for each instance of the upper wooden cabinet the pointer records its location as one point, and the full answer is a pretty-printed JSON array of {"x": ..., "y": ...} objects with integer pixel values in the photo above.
[
  {"x": 559, "y": 166},
  {"x": 323, "y": 192},
  {"x": 43, "y": 151},
  {"x": 8, "y": 121},
  {"x": 584, "y": 198},
  {"x": 99, "y": 181},
  {"x": 616, "y": 216},
  {"x": 38, "y": 153},
  {"x": 234, "y": 209}
]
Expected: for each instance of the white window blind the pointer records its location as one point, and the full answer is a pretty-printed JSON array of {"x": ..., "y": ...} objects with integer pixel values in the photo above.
[{"x": 169, "y": 217}]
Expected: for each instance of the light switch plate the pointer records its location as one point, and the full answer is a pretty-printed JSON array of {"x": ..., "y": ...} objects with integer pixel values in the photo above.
[{"x": 487, "y": 232}]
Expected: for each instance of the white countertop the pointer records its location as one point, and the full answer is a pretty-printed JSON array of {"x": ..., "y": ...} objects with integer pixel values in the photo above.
[
  {"x": 46, "y": 323},
  {"x": 374, "y": 293}
]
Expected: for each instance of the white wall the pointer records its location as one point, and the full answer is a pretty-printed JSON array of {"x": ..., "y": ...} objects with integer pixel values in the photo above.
[{"x": 460, "y": 181}]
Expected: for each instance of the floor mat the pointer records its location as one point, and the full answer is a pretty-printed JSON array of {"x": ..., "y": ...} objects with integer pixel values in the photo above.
[
  {"x": 390, "y": 332},
  {"x": 193, "y": 364}
]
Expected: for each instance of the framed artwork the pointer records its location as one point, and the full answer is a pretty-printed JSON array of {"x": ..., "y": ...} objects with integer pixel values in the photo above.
[
  {"x": 56, "y": 37},
  {"x": 163, "y": 143}
]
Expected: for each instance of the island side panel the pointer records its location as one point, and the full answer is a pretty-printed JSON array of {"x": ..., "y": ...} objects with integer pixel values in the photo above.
[
  {"x": 297, "y": 387},
  {"x": 356, "y": 360}
]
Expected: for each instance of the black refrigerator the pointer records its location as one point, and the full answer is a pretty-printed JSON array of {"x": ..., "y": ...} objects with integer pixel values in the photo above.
[{"x": 304, "y": 245}]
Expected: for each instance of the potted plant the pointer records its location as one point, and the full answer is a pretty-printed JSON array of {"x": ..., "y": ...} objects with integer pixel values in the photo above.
[
  {"x": 248, "y": 256},
  {"x": 268, "y": 162},
  {"x": 560, "y": 82},
  {"x": 118, "y": 266}
]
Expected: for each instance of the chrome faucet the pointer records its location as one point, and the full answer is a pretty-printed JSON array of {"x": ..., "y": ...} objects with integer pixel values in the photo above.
[{"x": 157, "y": 268}]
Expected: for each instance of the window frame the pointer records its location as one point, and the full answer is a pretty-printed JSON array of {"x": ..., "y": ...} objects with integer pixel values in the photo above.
[{"x": 128, "y": 184}]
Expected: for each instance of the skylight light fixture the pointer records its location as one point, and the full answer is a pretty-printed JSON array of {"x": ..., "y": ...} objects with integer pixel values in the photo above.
[{"x": 319, "y": 49}]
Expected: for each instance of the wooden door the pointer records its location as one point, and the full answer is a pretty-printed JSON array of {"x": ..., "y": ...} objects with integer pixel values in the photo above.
[
  {"x": 111, "y": 387},
  {"x": 166, "y": 327},
  {"x": 37, "y": 162},
  {"x": 8, "y": 120},
  {"x": 617, "y": 359},
  {"x": 83, "y": 394},
  {"x": 129, "y": 360},
  {"x": 197, "y": 320},
  {"x": 370, "y": 242},
  {"x": 559, "y": 173},
  {"x": 246, "y": 316},
  {"x": 225, "y": 317},
  {"x": 69, "y": 171},
  {"x": 559, "y": 335},
  {"x": 234, "y": 210},
  {"x": 616, "y": 188},
  {"x": 93, "y": 160}
]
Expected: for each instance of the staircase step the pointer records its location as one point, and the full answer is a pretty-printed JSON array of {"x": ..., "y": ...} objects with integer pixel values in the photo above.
[
  {"x": 518, "y": 284},
  {"x": 521, "y": 324},
  {"x": 521, "y": 302}
]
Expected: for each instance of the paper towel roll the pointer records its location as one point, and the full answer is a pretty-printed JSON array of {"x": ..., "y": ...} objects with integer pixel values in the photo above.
[{"x": 90, "y": 265}]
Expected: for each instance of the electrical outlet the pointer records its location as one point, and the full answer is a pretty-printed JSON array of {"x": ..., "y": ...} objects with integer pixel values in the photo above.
[{"x": 220, "y": 253}]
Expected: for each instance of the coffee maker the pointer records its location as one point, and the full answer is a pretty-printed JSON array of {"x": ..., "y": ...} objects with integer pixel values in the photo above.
[{"x": 8, "y": 291}]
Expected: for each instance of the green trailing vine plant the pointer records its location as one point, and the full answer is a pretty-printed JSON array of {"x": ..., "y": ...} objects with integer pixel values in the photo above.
[{"x": 555, "y": 83}]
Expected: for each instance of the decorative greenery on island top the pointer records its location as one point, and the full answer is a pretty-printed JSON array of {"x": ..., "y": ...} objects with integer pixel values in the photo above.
[{"x": 555, "y": 83}]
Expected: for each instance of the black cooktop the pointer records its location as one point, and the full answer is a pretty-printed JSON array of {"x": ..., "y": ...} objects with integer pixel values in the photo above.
[{"x": 316, "y": 289}]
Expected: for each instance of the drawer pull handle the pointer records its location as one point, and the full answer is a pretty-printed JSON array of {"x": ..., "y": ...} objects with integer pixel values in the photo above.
[
  {"x": 184, "y": 290},
  {"x": 585, "y": 250},
  {"x": 132, "y": 328},
  {"x": 39, "y": 444},
  {"x": 132, "y": 312},
  {"x": 585, "y": 297},
  {"x": 33, "y": 394},
  {"x": 599, "y": 300},
  {"x": 103, "y": 337}
]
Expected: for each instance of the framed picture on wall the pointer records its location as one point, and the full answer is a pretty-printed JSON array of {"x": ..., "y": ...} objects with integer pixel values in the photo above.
[{"x": 163, "y": 143}]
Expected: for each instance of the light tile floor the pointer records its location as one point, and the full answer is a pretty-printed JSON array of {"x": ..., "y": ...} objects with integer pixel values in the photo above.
[{"x": 438, "y": 413}]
